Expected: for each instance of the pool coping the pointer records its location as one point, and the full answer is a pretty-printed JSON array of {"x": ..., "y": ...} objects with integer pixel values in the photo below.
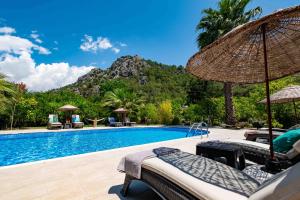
[
  {"x": 99, "y": 152},
  {"x": 22, "y": 131}
]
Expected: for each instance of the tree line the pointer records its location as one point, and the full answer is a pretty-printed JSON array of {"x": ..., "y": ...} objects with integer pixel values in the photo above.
[{"x": 169, "y": 101}]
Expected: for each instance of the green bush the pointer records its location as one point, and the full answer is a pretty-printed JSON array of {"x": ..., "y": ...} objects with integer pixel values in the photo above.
[
  {"x": 150, "y": 114},
  {"x": 191, "y": 113},
  {"x": 176, "y": 121},
  {"x": 165, "y": 112}
]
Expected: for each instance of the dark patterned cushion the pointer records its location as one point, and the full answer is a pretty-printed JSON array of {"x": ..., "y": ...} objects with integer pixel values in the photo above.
[
  {"x": 256, "y": 172},
  {"x": 213, "y": 172}
]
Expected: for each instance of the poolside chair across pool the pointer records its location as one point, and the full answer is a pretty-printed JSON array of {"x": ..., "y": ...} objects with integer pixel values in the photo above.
[
  {"x": 53, "y": 122},
  {"x": 112, "y": 122},
  {"x": 128, "y": 122},
  {"x": 76, "y": 123}
]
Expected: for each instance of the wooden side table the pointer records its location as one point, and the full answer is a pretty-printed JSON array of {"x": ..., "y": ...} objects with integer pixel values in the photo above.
[{"x": 67, "y": 125}]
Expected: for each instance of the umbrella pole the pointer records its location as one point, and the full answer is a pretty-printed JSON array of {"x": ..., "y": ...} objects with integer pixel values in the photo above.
[{"x": 263, "y": 27}]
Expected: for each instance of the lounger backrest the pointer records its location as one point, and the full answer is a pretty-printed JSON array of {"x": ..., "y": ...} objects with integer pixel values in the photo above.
[
  {"x": 295, "y": 151},
  {"x": 284, "y": 185},
  {"x": 53, "y": 118},
  {"x": 111, "y": 120},
  {"x": 75, "y": 118}
]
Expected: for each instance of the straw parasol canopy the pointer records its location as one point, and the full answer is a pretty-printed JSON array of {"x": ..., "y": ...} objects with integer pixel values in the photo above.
[
  {"x": 67, "y": 108},
  {"x": 238, "y": 57},
  {"x": 121, "y": 110},
  {"x": 258, "y": 51},
  {"x": 287, "y": 94}
]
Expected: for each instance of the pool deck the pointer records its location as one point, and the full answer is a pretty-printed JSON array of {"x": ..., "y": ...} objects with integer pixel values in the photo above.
[{"x": 88, "y": 176}]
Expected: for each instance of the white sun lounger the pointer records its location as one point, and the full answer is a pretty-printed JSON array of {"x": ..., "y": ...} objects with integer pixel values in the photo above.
[{"x": 188, "y": 176}]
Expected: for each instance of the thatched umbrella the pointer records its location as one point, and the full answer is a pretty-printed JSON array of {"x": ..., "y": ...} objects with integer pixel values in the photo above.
[
  {"x": 258, "y": 51},
  {"x": 68, "y": 109},
  {"x": 286, "y": 95},
  {"x": 122, "y": 112}
]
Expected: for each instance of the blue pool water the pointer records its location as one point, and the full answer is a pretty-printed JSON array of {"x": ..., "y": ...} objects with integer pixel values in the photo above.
[{"x": 22, "y": 148}]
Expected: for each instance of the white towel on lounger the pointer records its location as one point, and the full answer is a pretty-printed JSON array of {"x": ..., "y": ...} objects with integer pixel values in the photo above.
[{"x": 131, "y": 164}]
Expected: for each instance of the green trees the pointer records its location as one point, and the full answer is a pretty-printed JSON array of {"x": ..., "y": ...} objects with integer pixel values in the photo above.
[
  {"x": 19, "y": 92},
  {"x": 216, "y": 23},
  {"x": 168, "y": 95},
  {"x": 7, "y": 91}
]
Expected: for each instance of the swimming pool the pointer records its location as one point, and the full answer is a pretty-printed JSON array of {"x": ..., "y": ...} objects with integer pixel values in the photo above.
[{"x": 22, "y": 148}]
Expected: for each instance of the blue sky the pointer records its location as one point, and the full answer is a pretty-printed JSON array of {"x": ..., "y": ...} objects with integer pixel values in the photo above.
[{"x": 162, "y": 30}]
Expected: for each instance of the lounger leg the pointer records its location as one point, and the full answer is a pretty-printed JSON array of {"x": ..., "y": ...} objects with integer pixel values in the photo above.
[{"x": 126, "y": 184}]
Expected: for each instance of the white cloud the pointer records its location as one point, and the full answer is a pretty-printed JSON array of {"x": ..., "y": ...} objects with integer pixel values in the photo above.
[
  {"x": 122, "y": 44},
  {"x": 17, "y": 67},
  {"x": 116, "y": 50},
  {"x": 7, "y": 30},
  {"x": 36, "y": 37},
  {"x": 17, "y": 63},
  {"x": 42, "y": 50},
  {"x": 42, "y": 77},
  {"x": 55, "y": 75},
  {"x": 16, "y": 45},
  {"x": 101, "y": 43}
]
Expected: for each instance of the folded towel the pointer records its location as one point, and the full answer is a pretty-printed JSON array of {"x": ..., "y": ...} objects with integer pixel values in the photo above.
[{"x": 131, "y": 164}]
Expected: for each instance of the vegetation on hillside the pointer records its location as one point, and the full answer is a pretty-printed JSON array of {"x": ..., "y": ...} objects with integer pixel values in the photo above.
[{"x": 170, "y": 96}]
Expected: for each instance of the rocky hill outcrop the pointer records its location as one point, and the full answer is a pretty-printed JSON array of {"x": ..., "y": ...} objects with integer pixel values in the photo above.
[{"x": 123, "y": 67}]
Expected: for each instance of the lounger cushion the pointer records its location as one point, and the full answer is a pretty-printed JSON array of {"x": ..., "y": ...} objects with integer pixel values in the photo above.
[
  {"x": 111, "y": 120},
  {"x": 257, "y": 172},
  {"x": 285, "y": 185},
  {"x": 53, "y": 118},
  {"x": 247, "y": 142},
  {"x": 55, "y": 123},
  {"x": 259, "y": 148},
  {"x": 197, "y": 186},
  {"x": 75, "y": 118},
  {"x": 285, "y": 142}
]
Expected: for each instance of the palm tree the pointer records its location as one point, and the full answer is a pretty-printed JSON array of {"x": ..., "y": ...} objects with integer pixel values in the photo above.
[
  {"x": 216, "y": 23},
  {"x": 122, "y": 98}
]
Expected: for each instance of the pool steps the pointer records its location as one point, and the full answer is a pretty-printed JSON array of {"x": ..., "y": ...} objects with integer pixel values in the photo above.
[{"x": 198, "y": 129}]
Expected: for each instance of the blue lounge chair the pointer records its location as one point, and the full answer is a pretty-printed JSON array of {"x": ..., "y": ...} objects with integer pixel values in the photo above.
[{"x": 112, "y": 122}]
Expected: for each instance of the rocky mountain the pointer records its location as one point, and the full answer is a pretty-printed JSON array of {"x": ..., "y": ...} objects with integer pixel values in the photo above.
[{"x": 126, "y": 67}]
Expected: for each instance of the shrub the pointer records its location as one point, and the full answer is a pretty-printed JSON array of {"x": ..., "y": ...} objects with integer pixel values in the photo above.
[
  {"x": 176, "y": 120},
  {"x": 191, "y": 113},
  {"x": 165, "y": 112},
  {"x": 150, "y": 114}
]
